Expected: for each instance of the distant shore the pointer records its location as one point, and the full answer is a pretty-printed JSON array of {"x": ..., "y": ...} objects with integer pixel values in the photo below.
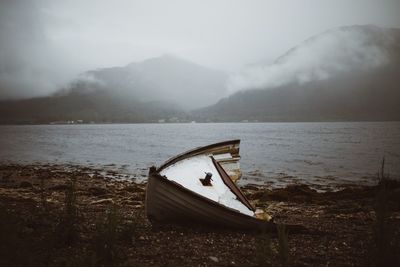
[
  {"x": 61, "y": 215},
  {"x": 72, "y": 122}
]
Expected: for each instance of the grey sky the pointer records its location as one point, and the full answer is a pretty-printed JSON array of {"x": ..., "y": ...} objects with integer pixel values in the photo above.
[{"x": 45, "y": 43}]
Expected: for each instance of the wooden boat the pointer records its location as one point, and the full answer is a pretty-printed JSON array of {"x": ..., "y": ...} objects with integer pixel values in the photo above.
[{"x": 181, "y": 190}]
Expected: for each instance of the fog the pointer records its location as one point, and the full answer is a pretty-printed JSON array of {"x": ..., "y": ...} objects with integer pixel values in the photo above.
[
  {"x": 329, "y": 54},
  {"x": 45, "y": 44}
]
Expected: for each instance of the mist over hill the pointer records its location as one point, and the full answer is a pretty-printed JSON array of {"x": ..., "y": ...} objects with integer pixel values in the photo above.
[
  {"x": 155, "y": 89},
  {"x": 168, "y": 78},
  {"x": 329, "y": 54},
  {"x": 99, "y": 106},
  {"x": 348, "y": 73}
]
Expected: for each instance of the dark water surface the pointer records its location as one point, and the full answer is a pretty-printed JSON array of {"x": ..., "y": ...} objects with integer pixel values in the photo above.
[{"x": 276, "y": 153}]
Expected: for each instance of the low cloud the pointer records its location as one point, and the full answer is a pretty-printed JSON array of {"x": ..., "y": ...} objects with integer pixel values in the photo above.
[
  {"x": 329, "y": 54},
  {"x": 29, "y": 65}
]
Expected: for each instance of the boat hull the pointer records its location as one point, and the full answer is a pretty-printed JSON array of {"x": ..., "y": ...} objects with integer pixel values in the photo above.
[{"x": 167, "y": 201}]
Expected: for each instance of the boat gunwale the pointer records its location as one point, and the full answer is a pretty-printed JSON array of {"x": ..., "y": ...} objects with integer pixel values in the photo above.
[
  {"x": 195, "y": 151},
  {"x": 232, "y": 186}
]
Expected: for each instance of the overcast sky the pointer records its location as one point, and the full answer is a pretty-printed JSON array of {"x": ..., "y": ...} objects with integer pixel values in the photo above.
[{"x": 45, "y": 43}]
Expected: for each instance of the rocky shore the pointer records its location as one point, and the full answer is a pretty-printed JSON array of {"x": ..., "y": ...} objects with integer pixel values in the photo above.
[{"x": 52, "y": 215}]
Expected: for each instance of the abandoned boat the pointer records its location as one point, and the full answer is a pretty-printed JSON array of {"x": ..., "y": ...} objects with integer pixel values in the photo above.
[{"x": 199, "y": 187}]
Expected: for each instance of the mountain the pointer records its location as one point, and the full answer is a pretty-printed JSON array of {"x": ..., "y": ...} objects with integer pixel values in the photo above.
[
  {"x": 166, "y": 78},
  {"x": 157, "y": 88},
  {"x": 348, "y": 73},
  {"x": 99, "y": 106}
]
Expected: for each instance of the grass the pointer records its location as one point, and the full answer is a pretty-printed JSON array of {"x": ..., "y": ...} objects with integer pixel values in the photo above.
[
  {"x": 67, "y": 228},
  {"x": 42, "y": 187},
  {"x": 264, "y": 251},
  {"x": 283, "y": 246},
  {"x": 108, "y": 229},
  {"x": 384, "y": 254}
]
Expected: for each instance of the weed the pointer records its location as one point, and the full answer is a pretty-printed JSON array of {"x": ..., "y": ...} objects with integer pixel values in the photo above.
[
  {"x": 283, "y": 247},
  {"x": 264, "y": 251},
  {"x": 384, "y": 254},
  {"x": 42, "y": 186},
  {"x": 66, "y": 230},
  {"x": 105, "y": 241}
]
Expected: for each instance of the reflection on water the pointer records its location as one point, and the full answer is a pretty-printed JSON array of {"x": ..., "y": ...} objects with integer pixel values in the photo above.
[{"x": 272, "y": 153}]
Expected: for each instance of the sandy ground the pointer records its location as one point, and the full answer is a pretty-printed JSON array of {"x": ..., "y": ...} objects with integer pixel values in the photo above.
[{"x": 102, "y": 222}]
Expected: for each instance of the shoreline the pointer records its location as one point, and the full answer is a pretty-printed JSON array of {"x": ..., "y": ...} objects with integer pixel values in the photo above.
[
  {"x": 33, "y": 204},
  {"x": 206, "y": 122},
  {"x": 254, "y": 178}
]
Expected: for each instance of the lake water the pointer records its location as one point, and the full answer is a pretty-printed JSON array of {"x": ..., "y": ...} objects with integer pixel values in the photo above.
[{"x": 323, "y": 154}]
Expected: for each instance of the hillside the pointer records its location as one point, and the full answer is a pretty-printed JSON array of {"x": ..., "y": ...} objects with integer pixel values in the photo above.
[
  {"x": 166, "y": 78},
  {"x": 98, "y": 106},
  {"x": 319, "y": 82},
  {"x": 344, "y": 74},
  {"x": 155, "y": 89}
]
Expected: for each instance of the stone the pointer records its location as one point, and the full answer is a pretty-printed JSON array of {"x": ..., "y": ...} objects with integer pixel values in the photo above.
[
  {"x": 103, "y": 201},
  {"x": 214, "y": 259}
]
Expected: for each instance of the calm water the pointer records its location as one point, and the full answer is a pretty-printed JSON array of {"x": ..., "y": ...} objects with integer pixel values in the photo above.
[{"x": 276, "y": 153}]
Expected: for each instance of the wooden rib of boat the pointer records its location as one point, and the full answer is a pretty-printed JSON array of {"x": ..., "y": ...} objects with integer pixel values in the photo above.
[{"x": 175, "y": 192}]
